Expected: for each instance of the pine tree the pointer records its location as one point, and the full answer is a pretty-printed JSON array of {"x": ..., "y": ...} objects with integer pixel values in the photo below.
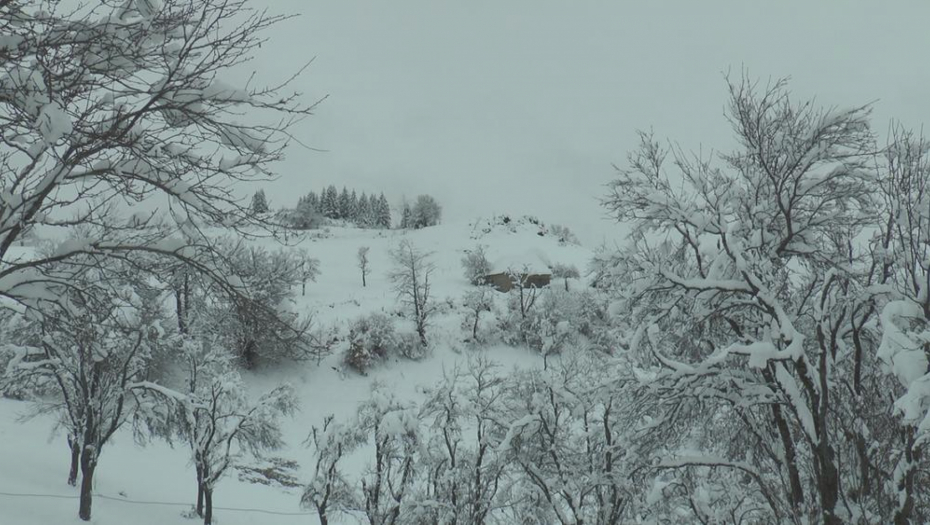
[
  {"x": 259, "y": 202},
  {"x": 363, "y": 212},
  {"x": 345, "y": 202},
  {"x": 329, "y": 203},
  {"x": 353, "y": 207},
  {"x": 383, "y": 215},
  {"x": 305, "y": 216},
  {"x": 372, "y": 211},
  {"x": 313, "y": 200}
]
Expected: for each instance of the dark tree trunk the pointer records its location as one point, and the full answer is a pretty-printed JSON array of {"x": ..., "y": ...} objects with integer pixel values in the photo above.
[
  {"x": 199, "y": 507},
  {"x": 791, "y": 461},
  {"x": 364, "y": 284},
  {"x": 208, "y": 506},
  {"x": 75, "y": 461},
  {"x": 303, "y": 288},
  {"x": 88, "y": 465},
  {"x": 902, "y": 516},
  {"x": 179, "y": 302}
]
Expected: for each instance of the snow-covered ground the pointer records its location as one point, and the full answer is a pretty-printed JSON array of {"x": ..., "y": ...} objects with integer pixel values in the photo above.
[{"x": 155, "y": 484}]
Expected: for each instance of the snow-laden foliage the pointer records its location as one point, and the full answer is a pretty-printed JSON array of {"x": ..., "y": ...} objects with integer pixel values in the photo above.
[
  {"x": 476, "y": 265},
  {"x": 86, "y": 361},
  {"x": 485, "y": 446},
  {"x": 260, "y": 323},
  {"x": 373, "y": 339},
  {"x": 751, "y": 299},
  {"x": 574, "y": 444},
  {"x": 107, "y": 104}
]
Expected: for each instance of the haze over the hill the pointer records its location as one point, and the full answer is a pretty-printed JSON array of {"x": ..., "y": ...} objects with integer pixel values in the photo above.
[{"x": 522, "y": 106}]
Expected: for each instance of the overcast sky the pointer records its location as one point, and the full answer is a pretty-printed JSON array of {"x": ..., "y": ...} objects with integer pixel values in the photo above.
[{"x": 521, "y": 106}]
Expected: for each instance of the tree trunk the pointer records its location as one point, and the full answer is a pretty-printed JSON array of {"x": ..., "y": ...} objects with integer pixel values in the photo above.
[
  {"x": 208, "y": 506},
  {"x": 179, "y": 302},
  {"x": 75, "y": 461},
  {"x": 364, "y": 284},
  {"x": 88, "y": 465},
  {"x": 303, "y": 288},
  {"x": 905, "y": 485},
  {"x": 199, "y": 506}
]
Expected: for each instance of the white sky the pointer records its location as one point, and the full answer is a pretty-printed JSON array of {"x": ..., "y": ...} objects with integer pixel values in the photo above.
[{"x": 521, "y": 106}]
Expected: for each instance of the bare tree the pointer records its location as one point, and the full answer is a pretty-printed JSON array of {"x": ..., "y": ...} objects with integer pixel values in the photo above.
[
  {"x": 223, "y": 428},
  {"x": 477, "y": 301},
  {"x": 476, "y": 264},
  {"x": 754, "y": 304},
  {"x": 411, "y": 274},
  {"x": 308, "y": 268},
  {"x": 526, "y": 291},
  {"x": 329, "y": 492},
  {"x": 85, "y": 363},
  {"x": 363, "y": 263},
  {"x": 566, "y": 272},
  {"x": 107, "y": 103}
]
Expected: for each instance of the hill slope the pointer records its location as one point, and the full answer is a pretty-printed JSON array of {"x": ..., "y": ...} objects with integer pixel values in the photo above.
[{"x": 155, "y": 484}]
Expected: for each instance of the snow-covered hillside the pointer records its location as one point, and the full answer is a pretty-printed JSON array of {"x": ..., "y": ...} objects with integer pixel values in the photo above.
[{"x": 155, "y": 484}]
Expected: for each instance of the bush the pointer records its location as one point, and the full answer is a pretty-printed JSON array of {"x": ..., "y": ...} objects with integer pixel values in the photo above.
[
  {"x": 476, "y": 264},
  {"x": 371, "y": 339},
  {"x": 408, "y": 345},
  {"x": 558, "y": 319},
  {"x": 425, "y": 212},
  {"x": 563, "y": 234}
]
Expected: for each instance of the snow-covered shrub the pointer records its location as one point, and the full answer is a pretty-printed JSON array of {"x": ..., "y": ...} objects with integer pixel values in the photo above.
[
  {"x": 408, "y": 345},
  {"x": 563, "y": 234},
  {"x": 259, "y": 323},
  {"x": 371, "y": 339},
  {"x": 476, "y": 264},
  {"x": 374, "y": 338}
]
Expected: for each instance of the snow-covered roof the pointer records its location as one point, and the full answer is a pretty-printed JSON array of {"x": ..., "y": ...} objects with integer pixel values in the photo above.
[{"x": 504, "y": 258}]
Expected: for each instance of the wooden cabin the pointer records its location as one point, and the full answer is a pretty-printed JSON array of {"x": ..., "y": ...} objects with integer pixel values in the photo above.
[{"x": 504, "y": 281}]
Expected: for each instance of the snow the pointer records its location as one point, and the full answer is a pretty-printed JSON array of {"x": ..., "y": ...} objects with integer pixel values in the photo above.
[
  {"x": 156, "y": 484},
  {"x": 53, "y": 123}
]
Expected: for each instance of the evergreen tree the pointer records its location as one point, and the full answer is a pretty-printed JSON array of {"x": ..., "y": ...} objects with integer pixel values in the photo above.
[
  {"x": 259, "y": 202},
  {"x": 305, "y": 216},
  {"x": 345, "y": 202},
  {"x": 383, "y": 215},
  {"x": 353, "y": 207},
  {"x": 372, "y": 211},
  {"x": 363, "y": 212},
  {"x": 313, "y": 200},
  {"x": 329, "y": 203}
]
